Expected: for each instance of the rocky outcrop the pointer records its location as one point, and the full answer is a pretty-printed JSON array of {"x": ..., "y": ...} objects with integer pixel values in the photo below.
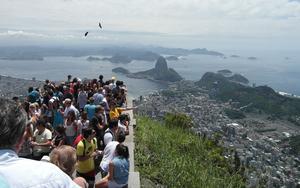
[
  {"x": 239, "y": 78},
  {"x": 161, "y": 72}
]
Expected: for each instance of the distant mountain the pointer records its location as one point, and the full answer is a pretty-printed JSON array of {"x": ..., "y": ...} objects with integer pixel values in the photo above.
[
  {"x": 118, "y": 58},
  {"x": 121, "y": 70},
  {"x": 204, "y": 51},
  {"x": 225, "y": 72},
  {"x": 252, "y": 58},
  {"x": 172, "y": 58},
  {"x": 23, "y": 58},
  {"x": 184, "y": 52},
  {"x": 160, "y": 72},
  {"x": 234, "y": 56},
  {"x": 144, "y": 53},
  {"x": 239, "y": 78},
  {"x": 130, "y": 53},
  {"x": 91, "y": 58},
  {"x": 263, "y": 98}
]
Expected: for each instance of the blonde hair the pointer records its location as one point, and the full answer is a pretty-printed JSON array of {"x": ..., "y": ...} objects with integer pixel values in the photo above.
[{"x": 65, "y": 158}]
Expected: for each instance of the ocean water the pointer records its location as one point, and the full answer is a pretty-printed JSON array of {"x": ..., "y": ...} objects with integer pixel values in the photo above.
[{"x": 280, "y": 70}]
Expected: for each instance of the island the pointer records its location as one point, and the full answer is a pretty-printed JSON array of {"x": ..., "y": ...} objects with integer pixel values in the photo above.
[
  {"x": 161, "y": 72},
  {"x": 120, "y": 70},
  {"x": 118, "y": 58},
  {"x": 91, "y": 58},
  {"x": 172, "y": 58},
  {"x": 252, "y": 58}
]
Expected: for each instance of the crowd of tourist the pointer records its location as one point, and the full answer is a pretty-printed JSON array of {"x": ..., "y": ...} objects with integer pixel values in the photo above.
[{"x": 76, "y": 125}]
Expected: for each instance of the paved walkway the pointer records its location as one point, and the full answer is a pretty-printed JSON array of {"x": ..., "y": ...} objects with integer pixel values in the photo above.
[{"x": 134, "y": 177}]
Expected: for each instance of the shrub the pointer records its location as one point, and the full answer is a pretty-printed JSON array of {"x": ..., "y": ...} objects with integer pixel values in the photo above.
[{"x": 178, "y": 120}]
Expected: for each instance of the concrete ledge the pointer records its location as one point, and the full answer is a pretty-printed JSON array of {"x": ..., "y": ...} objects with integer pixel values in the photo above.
[
  {"x": 134, "y": 177},
  {"x": 134, "y": 180}
]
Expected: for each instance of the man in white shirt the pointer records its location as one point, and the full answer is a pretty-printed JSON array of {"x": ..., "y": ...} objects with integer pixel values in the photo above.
[
  {"x": 69, "y": 107},
  {"x": 109, "y": 152},
  {"x": 41, "y": 140},
  {"x": 110, "y": 132},
  {"x": 20, "y": 172}
]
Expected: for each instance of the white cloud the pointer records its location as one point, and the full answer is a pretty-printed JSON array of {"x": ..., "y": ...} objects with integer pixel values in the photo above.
[
  {"x": 248, "y": 18},
  {"x": 20, "y": 33}
]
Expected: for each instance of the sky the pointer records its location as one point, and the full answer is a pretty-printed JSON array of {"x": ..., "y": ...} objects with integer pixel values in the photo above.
[{"x": 174, "y": 23}]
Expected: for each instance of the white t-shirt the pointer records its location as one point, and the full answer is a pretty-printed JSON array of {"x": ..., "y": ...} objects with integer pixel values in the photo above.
[
  {"x": 82, "y": 125},
  {"x": 24, "y": 173},
  {"x": 70, "y": 129},
  {"x": 42, "y": 138},
  {"x": 68, "y": 109},
  {"x": 121, "y": 126},
  {"x": 108, "y": 155},
  {"x": 108, "y": 137}
]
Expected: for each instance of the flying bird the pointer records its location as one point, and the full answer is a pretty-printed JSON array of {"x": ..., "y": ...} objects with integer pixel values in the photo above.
[
  {"x": 100, "y": 25},
  {"x": 86, "y": 34}
]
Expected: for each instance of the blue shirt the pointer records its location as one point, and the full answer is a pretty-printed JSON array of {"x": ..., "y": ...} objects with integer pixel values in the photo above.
[
  {"x": 58, "y": 119},
  {"x": 90, "y": 110},
  {"x": 98, "y": 97},
  {"x": 25, "y": 173},
  {"x": 121, "y": 170},
  {"x": 33, "y": 96}
]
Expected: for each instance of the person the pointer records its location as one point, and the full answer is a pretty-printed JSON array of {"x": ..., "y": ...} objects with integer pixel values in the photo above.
[
  {"x": 71, "y": 127},
  {"x": 33, "y": 95},
  {"x": 82, "y": 98},
  {"x": 26, "y": 149},
  {"x": 58, "y": 119},
  {"x": 118, "y": 170},
  {"x": 41, "y": 141},
  {"x": 109, "y": 153},
  {"x": 98, "y": 97},
  {"x": 59, "y": 138},
  {"x": 21, "y": 172},
  {"x": 97, "y": 123},
  {"x": 89, "y": 108},
  {"x": 70, "y": 107},
  {"x": 124, "y": 123},
  {"x": 65, "y": 158},
  {"x": 86, "y": 151},
  {"x": 115, "y": 111},
  {"x": 110, "y": 132},
  {"x": 100, "y": 81},
  {"x": 83, "y": 122}
]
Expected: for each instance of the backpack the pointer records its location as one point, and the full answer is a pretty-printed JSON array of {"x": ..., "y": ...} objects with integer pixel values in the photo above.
[{"x": 80, "y": 138}]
